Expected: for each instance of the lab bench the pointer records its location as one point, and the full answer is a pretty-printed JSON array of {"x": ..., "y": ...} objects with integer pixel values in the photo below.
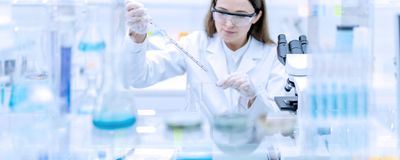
[{"x": 71, "y": 136}]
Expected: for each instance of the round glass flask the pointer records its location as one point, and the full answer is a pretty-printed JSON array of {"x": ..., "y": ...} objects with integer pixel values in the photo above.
[{"x": 115, "y": 108}]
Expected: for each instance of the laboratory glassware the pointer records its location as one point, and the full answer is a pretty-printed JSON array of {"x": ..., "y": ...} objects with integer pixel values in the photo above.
[
  {"x": 398, "y": 73},
  {"x": 234, "y": 133},
  {"x": 165, "y": 35},
  {"x": 232, "y": 130},
  {"x": 66, "y": 33},
  {"x": 115, "y": 108},
  {"x": 87, "y": 101},
  {"x": 91, "y": 48},
  {"x": 29, "y": 70}
]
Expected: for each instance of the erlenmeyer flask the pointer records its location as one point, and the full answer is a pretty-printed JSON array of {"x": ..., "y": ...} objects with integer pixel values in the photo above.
[
  {"x": 115, "y": 110},
  {"x": 115, "y": 107}
]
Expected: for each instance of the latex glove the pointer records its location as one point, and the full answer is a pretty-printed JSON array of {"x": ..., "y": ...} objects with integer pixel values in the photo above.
[
  {"x": 136, "y": 17},
  {"x": 241, "y": 82}
]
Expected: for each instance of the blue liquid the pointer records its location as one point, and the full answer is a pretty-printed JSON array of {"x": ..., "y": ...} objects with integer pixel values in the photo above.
[
  {"x": 314, "y": 102},
  {"x": 344, "y": 39},
  {"x": 364, "y": 101},
  {"x": 65, "y": 84},
  {"x": 19, "y": 94},
  {"x": 114, "y": 122},
  {"x": 345, "y": 107},
  {"x": 334, "y": 101},
  {"x": 92, "y": 47}
]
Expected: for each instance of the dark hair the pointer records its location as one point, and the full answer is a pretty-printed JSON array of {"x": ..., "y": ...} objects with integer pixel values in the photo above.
[{"x": 259, "y": 30}]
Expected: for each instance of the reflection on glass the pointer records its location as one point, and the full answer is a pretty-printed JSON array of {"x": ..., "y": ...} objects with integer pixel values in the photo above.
[
  {"x": 234, "y": 133},
  {"x": 231, "y": 130},
  {"x": 33, "y": 58}
]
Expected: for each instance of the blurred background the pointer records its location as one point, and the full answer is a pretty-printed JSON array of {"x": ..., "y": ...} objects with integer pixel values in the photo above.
[{"x": 51, "y": 48}]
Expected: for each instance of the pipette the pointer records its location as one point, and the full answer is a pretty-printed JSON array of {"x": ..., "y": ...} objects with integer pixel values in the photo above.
[{"x": 169, "y": 39}]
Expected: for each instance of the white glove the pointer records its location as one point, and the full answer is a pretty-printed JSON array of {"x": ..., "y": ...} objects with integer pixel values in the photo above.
[
  {"x": 136, "y": 17},
  {"x": 241, "y": 82}
]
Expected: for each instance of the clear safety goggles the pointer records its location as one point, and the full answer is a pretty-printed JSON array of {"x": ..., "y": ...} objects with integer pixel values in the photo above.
[{"x": 237, "y": 19}]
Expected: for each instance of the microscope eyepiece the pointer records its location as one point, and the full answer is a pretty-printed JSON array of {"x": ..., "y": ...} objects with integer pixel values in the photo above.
[
  {"x": 303, "y": 38},
  {"x": 304, "y": 43},
  {"x": 281, "y": 39},
  {"x": 282, "y": 48},
  {"x": 295, "y": 47}
]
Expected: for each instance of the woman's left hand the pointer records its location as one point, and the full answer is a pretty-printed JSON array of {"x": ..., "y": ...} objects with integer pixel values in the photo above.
[{"x": 241, "y": 82}]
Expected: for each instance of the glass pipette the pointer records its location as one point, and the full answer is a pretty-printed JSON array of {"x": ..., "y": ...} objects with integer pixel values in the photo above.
[{"x": 169, "y": 39}]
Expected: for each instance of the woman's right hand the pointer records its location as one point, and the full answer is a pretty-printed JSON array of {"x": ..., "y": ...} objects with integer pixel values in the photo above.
[{"x": 137, "y": 20}]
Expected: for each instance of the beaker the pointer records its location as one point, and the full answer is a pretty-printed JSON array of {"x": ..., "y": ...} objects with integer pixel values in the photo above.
[
  {"x": 232, "y": 130},
  {"x": 34, "y": 53},
  {"x": 234, "y": 133}
]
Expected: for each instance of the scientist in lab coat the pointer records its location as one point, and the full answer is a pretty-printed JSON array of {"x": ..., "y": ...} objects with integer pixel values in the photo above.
[{"x": 235, "y": 47}]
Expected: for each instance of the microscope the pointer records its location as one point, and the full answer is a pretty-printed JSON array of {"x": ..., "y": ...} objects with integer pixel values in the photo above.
[{"x": 293, "y": 56}]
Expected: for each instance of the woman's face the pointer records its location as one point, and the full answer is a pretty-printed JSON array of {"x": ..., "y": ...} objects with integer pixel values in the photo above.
[{"x": 233, "y": 19}]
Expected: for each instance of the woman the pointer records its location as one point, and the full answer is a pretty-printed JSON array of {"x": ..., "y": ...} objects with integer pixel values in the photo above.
[{"x": 235, "y": 47}]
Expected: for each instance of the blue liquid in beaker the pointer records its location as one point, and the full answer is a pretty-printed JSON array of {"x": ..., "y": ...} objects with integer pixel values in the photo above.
[{"x": 114, "y": 121}]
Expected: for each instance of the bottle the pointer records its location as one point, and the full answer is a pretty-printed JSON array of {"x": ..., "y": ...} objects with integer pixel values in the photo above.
[
  {"x": 66, "y": 40},
  {"x": 115, "y": 107},
  {"x": 91, "y": 49},
  {"x": 92, "y": 46},
  {"x": 88, "y": 100},
  {"x": 344, "y": 39}
]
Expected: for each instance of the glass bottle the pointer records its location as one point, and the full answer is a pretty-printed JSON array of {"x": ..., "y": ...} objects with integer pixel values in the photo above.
[
  {"x": 92, "y": 46},
  {"x": 65, "y": 60},
  {"x": 88, "y": 100},
  {"x": 91, "y": 49},
  {"x": 115, "y": 107}
]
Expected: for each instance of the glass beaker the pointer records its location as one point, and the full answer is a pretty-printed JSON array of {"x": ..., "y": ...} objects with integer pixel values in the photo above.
[{"x": 232, "y": 131}]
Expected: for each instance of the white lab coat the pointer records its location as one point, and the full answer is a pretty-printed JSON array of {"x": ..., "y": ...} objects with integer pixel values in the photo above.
[{"x": 259, "y": 62}]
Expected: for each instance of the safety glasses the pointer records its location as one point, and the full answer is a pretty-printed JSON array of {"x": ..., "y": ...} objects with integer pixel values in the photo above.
[{"x": 237, "y": 19}]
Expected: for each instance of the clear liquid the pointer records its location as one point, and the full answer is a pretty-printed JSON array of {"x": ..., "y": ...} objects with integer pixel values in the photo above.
[{"x": 114, "y": 121}]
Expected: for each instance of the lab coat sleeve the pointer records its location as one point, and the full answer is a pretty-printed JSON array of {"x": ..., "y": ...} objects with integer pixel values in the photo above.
[
  {"x": 144, "y": 67},
  {"x": 264, "y": 102}
]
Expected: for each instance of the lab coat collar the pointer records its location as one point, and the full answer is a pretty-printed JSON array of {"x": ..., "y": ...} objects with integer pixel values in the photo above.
[
  {"x": 251, "y": 57},
  {"x": 217, "y": 60}
]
